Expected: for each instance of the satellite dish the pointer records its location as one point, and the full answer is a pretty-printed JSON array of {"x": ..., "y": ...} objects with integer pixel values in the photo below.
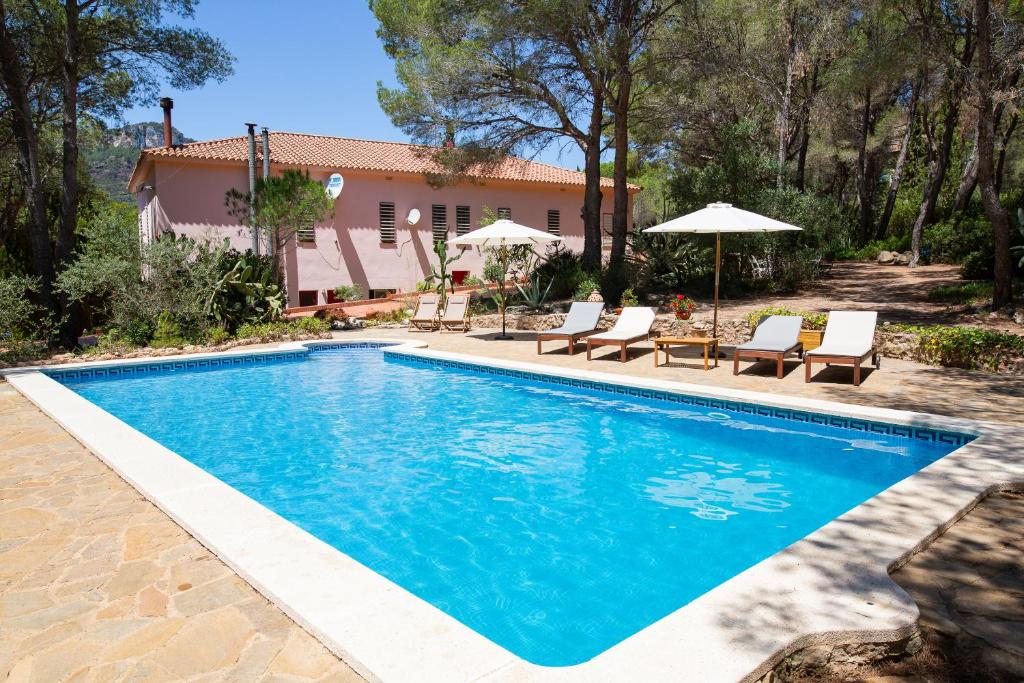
[
  {"x": 334, "y": 185},
  {"x": 414, "y": 217}
]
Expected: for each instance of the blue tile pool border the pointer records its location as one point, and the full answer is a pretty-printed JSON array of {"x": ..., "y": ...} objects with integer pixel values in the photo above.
[
  {"x": 739, "y": 407},
  {"x": 204, "y": 363},
  {"x": 838, "y": 421}
]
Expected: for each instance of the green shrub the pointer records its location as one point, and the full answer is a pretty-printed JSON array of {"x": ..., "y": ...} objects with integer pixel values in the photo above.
[
  {"x": 388, "y": 317},
  {"x": 351, "y": 292},
  {"x": 962, "y": 293},
  {"x": 472, "y": 281},
  {"x": 561, "y": 268},
  {"x": 629, "y": 298},
  {"x": 956, "y": 346},
  {"x": 812, "y": 320},
  {"x": 217, "y": 335},
  {"x": 871, "y": 250},
  {"x": 20, "y": 319},
  {"x": 310, "y": 325},
  {"x": 585, "y": 287},
  {"x": 133, "y": 333},
  {"x": 168, "y": 333}
]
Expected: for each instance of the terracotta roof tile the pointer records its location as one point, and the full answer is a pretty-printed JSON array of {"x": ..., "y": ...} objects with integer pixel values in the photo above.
[{"x": 331, "y": 152}]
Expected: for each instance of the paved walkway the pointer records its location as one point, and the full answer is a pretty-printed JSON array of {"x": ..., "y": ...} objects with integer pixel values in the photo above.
[{"x": 97, "y": 584}]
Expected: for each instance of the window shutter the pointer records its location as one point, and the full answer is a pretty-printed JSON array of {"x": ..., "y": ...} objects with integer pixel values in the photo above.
[
  {"x": 439, "y": 222},
  {"x": 554, "y": 222},
  {"x": 462, "y": 223},
  {"x": 504, "y": 213},
  {"x": 387, "y": 223}
]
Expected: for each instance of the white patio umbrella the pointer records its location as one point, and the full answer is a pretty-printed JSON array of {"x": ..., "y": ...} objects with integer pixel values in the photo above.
[
  {"x": 718, "y": 218},
  {"x": 502, "y": 234}
]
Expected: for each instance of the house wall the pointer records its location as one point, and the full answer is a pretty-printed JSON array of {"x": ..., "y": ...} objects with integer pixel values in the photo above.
[{"x": 189, "y": 199}]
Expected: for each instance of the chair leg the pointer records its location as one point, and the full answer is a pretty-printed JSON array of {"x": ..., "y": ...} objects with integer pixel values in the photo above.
[
  {"x": 856, "y": 373},
  {"x": 778, "y": 367},
  {"x": 622, "y": 353},
  {"x": 735, "y": 363},
  {"x": 588, "y": 350},
  {"x": 538, "y": 346},
  {"x": 807, "y": 370},
  {"x": 572, "y": 345}
]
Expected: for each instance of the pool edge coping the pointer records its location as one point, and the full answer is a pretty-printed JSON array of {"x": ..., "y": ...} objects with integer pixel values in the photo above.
[{"x": 699, "y": 639}]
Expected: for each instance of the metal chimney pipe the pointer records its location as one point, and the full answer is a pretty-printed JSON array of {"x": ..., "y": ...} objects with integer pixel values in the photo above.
[
  {"x": 252, "y": 187},
  {"x": 167, "y": 104},
  {"x": 265, "y": 134}
]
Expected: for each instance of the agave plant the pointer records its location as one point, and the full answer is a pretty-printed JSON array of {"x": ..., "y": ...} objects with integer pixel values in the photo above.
[{"x": 533, "y": 296}]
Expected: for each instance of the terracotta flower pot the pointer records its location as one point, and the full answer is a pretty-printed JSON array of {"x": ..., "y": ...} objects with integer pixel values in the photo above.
[{"x": 682, "y": 316}]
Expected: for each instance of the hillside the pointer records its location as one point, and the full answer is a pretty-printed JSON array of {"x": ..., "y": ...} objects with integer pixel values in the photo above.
[{"x": 111, "y": 160}]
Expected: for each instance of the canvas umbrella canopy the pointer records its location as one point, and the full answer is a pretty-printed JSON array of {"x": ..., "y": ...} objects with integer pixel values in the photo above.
[
  {"x": 501, "y": 235},
  {"x": 718, "y": 218}
]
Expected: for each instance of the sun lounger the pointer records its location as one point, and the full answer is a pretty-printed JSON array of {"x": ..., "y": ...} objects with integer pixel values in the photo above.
[
  {"x": 425, "y": 317},
  {"x": 634, "y": 325},
  {"x": 456, "y": 314},
  {"x": 849, "y": 339},
  {"x": 580, "y": 322},
  {"x": 775, "y": 337}
]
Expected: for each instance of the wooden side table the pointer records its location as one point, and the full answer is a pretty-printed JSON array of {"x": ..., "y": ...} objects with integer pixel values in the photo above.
[{"x": 667, "y": 342}]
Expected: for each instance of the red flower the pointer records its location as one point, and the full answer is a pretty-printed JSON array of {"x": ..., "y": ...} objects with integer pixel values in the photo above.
[{"x": 679, "y": 296}]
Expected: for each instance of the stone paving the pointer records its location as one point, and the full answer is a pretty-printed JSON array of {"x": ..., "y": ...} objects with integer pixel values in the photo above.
[
  {"x": 97, "y": 584},
  {"x": 969, "y": 585}
]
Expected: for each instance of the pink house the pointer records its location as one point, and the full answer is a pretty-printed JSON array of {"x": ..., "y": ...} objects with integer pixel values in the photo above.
[{"x": 369, "y": 241}]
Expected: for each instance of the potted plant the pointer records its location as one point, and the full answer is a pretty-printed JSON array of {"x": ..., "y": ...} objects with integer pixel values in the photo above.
[
  {"x": 628, "y": 298},
  {"x": 682, "y": 306}
]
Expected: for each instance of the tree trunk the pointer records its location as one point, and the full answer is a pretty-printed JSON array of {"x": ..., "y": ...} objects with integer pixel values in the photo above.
[
  {"x": 591, "y": 259},
  {"x": 940, "y": 164},
  {"x": 1004, "y": 143},
  {"x": 620, "y": 209},
  {"x": 864, "y": 193},
  {"x": 71, "y": 323},
  {"x": 926, "y": 215},
  {"x": 805, "y": 130},
  {"x": 787, "y": 96},
  {"x": 968, "y": 182},
  {"x": 27, "y": 140},
  {"x": 901, "y": 160},
  {"x": 1002, "y": 290}
]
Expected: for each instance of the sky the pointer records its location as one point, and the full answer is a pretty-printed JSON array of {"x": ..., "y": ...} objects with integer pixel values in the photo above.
[{"x": 301, "y": 66}]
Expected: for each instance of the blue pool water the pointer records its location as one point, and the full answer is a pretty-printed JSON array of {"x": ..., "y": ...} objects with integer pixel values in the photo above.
[{"x": 555, "y": 521}]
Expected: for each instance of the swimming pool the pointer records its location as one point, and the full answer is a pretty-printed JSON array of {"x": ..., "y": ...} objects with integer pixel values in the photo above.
[{"x": 554, "y": 519}]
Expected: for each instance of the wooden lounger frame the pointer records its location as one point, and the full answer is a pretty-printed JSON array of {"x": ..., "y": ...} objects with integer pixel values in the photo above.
[
  {"x": 855, "y": 361},
  {"x": 460, "y": 325},
  {"x": 761, "y": 354},
  {"x": 571, "y": 339},
  {"x": 621, "y": 343}
]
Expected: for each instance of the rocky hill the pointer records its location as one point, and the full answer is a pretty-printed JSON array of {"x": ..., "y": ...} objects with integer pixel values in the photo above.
[{"x": 110, "y": 161}]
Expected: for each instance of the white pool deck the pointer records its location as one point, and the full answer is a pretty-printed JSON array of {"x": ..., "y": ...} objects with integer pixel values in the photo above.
[{"x": 831, "y": 587}]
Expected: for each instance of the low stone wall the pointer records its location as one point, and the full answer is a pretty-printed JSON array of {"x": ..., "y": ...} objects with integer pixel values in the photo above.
[
  {"x": 817, "y": 661},
  {"x": 731, "y": 331}
]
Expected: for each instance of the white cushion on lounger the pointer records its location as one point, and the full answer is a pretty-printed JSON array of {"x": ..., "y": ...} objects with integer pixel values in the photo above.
[
  {"x": 583, "y": 316},
  {"x": 775, "y": 333},
  {"x": 634, "y": 321},
  {"x": 848, "y": 333}
]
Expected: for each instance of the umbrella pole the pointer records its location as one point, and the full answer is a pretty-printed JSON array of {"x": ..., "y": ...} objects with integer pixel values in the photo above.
[
  {"x": 504, "y": 302},
  {"x": 718, "y": 268}
]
